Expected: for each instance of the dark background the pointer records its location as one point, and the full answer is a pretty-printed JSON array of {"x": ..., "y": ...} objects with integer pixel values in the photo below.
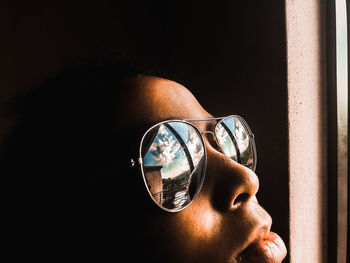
[{"x": 230, "y": 54}]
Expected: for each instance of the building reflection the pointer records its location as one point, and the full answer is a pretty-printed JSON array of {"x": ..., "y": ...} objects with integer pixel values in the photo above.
[
  {"x": 168, "y": 192},
  {"x": 174, "y": 192}
]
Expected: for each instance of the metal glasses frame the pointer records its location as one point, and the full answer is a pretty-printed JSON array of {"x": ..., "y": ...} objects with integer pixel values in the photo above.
[{"x": 188, "y": 121}]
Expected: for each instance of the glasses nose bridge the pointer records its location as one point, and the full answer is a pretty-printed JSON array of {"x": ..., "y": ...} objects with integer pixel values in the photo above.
[
  {"x": 213, "y": 136},
  {"x": 208, "y": 132}
]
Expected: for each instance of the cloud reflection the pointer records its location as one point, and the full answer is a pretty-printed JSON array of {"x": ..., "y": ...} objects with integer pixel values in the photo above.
[{"x": 166, "y": 150}]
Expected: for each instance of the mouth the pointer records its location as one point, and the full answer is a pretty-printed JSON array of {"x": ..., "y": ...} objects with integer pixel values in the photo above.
[{"x": 270, "y": 249}]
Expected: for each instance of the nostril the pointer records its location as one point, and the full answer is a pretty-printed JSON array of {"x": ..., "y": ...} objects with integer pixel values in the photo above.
[{"x": 241, "y": 198}]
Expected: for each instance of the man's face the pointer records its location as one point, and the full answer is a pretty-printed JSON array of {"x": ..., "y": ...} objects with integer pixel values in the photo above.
[{"x": 225, "y": 223}]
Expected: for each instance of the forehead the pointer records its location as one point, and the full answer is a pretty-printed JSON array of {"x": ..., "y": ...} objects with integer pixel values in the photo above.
[{"x": 151, "y": 99}]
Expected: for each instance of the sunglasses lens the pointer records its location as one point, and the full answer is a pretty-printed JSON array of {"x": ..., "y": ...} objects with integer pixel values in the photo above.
[
  {"x": 235, "y": 140},
  {"x": 174, "y": 162}
]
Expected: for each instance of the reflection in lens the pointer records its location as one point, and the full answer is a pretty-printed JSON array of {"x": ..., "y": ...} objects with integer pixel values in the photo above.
[
  {"x": 234, "y": 140},
  {"x": 173, "y": 163},
  {"x": 225, "y": 142}
]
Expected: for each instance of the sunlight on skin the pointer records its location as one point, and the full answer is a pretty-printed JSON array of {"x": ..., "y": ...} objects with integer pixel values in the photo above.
[{"x": 206, "y": 222}]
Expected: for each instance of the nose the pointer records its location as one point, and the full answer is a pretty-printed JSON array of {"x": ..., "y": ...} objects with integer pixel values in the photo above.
[{"x": 233, "y": 184}]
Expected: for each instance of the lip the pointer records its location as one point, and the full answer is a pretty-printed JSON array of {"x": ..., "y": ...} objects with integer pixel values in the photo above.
[{"x": 271, "y": 249}]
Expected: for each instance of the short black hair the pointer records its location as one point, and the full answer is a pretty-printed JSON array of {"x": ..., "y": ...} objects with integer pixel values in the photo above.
[
  {"x": 53, "y": 156},
  {"x": 61, "y": 122}
]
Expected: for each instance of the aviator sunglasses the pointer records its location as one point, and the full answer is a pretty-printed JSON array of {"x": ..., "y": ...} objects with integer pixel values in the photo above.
[{"x": 173, "y": 157}]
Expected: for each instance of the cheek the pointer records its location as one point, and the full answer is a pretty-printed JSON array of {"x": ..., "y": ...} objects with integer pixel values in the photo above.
[
  {"x": 201, "y": 221},
  {"x": 205, "y": 231},
  {"x": 199, "y": 232}
]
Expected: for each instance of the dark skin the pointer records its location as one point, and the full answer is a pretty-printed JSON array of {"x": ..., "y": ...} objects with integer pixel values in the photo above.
[{"x": 225, "y": 218}]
